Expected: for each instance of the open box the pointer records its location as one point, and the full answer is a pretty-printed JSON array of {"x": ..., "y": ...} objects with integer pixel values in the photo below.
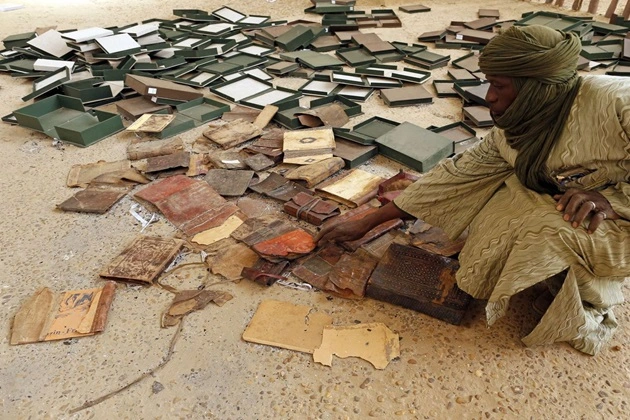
[
  {"x": 203, "y": 109},
  {"x": 391, "y": 71},
  {"x": 48, "y": 82},
  {"x": 88, "y": 90},
  {"x": 65, "y": 118},
  {"x": 286, "y": 114},
  {"x": 350, "y": 107},
  {"x": 252, "y": 91}
]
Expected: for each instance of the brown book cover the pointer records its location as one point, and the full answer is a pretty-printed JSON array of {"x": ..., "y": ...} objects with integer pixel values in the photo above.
[
  {"x": 277, "y": 186},
  {"x": 311, "y": 208},
  {"x": 95, "y": 199},
  {"x": 290, "y": 245},
  {"x": 143, "y": 260},
  {"x": 170, "y": 161},
  {"x": 148, "y": 86},
  {"x": 229, "y": 183},
  {"x": 419, "y": 280},
  {"x": 191, "y": 205}
]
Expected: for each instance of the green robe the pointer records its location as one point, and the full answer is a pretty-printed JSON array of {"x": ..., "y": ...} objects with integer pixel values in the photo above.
[{"x": 516, "y": 236}]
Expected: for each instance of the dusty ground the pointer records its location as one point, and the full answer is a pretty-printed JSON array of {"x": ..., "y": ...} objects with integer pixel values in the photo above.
[{"x": 444, "y": 371}]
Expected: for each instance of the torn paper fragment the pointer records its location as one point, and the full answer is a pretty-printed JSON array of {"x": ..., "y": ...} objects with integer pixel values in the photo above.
[
  {"x": 229, "y": 261},
  {"x": 188, "y": 301},
  {"x": 285, "y": 325},
  {"x": 373, "y": 342},
  {"x": 210, "y": 236}
]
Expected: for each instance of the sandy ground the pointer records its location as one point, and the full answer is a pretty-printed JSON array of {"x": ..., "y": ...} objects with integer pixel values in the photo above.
[{"x": 444, "y": 371}]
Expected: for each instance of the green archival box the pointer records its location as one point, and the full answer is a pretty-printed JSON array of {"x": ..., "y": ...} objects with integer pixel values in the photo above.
[
  {"x": 414, "y": 146},
  {"x": 64, "y": 117},
  {"x": 203, "y": 109},
  {"x": 90, "y": 127},
  {"x": 180, "y": 124}
]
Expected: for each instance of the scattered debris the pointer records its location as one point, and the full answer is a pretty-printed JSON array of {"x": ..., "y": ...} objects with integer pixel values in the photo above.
[
  {"x": 188, "y": 301},
  {"x": 373, "y": 342},
  {"x": 286, "y": 325},
  {"x": 144, "y": 222}
]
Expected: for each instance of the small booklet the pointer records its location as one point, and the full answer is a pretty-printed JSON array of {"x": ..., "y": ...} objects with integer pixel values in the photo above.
[{"x": 47, "y": 316}]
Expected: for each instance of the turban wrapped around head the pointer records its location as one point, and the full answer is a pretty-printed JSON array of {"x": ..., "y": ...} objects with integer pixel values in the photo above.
[{"x": 542, "y": 63}]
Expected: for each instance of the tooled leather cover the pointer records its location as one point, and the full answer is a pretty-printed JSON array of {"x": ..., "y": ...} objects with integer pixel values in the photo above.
[
  {"x": 311, "y": 208},
  {"x": 351, "y": 273},
  {"x": 191, "y": 205},
  {"x": 290, "y": 245},
  {"x": 315, "y": 268},
  {"x": 278, "y": 187},
  {"x": 264, "y": 272},
  {"x": 418, "y": 280}
]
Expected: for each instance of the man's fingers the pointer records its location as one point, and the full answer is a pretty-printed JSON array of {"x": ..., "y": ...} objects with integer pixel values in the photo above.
[
  {"x": 321, "y": 234},
  {"x": 583, "y": 211},
  {"x": 564, "y": 199},
  {"x": 596, "y": 220},
  {"x": 576, "y": 203}
]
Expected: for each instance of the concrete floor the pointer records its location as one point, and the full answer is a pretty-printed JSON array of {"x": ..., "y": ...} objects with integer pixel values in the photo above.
[{"x": 444, "y": 371}]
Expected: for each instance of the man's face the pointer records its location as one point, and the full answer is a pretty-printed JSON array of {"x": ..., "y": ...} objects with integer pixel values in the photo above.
[{"x": 501, "y": 94}]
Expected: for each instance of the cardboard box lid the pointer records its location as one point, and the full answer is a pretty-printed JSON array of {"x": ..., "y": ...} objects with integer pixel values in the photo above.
[
  {"x": 117, "y": 43},
  {"x": 481, "y": 23},
  {"x": 135, "y": 107},
  {"x": 87, "y": 34},
  {"x": 241, "y": 88},
  {"x": 48, "y": 82},
  {"x": 142, "y": 30},
  {"x": 352, "y": 153},
  {"x": 161, "y": 88},
  {"x": 479, "y": 115},
  {"x": 356, "y": 93},
  {"x": 415, "y": 142},
  {"x": 407, "y": 94},
  {"x": 51, "y": 43},
  {"x": 356, "y": 56},
  {"x": 375, "y": 127},
  {"x": 228, "y": 14},
  {"x": 415, "y": 8}
]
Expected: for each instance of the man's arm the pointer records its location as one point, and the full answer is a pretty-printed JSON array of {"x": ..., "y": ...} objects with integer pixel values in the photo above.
[
  {"x": 449, "y": 195},
  {"x": 356, "y": 229}
]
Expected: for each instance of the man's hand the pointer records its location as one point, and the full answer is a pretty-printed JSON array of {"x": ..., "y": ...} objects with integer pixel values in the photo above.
[
  {"x": 342, "y": 232},
  {"x": 578, "y": 204},
  {"x": 350, "y": 231}
]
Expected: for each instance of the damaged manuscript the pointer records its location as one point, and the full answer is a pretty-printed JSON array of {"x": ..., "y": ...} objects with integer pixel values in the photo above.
[
  {"x": 143, "y": 260},
  {"x": 47, "y": 316},
  {"x": 373, "y": 342},
  {"x": 285, "y": 325},
  {"x": 188, "y": 301},
  {"x": 191, "y": 205},
  {"x": 418, "y": 280},
  {"x": 303, "y": 147}
]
